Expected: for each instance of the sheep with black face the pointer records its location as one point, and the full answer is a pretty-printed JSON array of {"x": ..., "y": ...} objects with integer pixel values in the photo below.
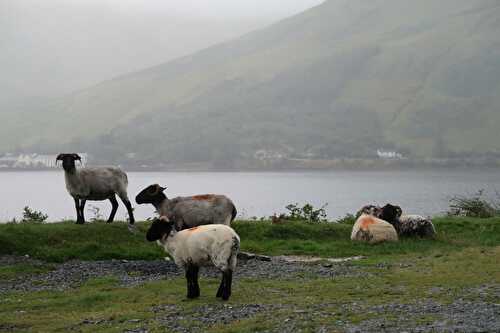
[
  {"x": 96, "y": 184},
  {"x": 188, "y": 212},
  {"x": 208, "y": 245},
  {"x": 407, "y": 225}
]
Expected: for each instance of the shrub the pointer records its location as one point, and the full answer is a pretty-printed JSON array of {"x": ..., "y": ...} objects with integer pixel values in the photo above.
[
  {"x": 348, "y": 219},
  {"x": 305, "y": 213},
  {"x": 33, "y": 216},
  {"x": 473, "y": 206}
]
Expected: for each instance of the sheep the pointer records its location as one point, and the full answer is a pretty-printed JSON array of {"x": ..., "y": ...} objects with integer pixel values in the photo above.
[
  {"x": 98, "y": 183},
  {"x": 373, "y": 230},
  {"x": 408, "y": 225},
  {"x": 207, "y": 245},
  {"x": 189, "y": 212}
]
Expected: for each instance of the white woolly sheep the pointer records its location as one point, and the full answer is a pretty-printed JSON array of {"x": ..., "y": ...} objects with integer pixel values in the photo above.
[
  {"x": 97, "y": 184},
  {"x": 188, "y": 212},
  {"x": 208, "y": 245},
  {"x": 373, "y": 230}
]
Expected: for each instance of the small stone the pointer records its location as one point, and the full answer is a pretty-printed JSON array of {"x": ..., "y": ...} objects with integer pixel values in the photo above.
[{"x": 246, "y": 256}]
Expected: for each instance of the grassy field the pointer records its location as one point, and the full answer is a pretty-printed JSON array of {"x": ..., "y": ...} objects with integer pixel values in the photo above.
[
  {"x": 60, "y": 242},
  {"x": 464, "y": 256}
]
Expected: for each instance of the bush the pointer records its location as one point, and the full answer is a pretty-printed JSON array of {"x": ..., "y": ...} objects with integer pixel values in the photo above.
[
  {"x": 348, "y": 219},
  {"x": 33, "y": 216},
  {"x": 473, "y": 206},
  {"x": 305, "y": 213}
]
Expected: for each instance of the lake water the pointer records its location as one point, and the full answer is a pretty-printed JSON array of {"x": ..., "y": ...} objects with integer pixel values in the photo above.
[{"x": 259, "y": 194}]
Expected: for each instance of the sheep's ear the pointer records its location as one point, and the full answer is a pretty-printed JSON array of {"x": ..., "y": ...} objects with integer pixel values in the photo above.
[
  {"x": 59, "y": 157},
  {"x": 162, "y": 188},
  {"x": 77, "y": 157}
]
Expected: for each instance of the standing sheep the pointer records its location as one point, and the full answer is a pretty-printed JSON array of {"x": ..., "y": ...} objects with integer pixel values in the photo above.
[
  {"x": 188, "y": 212},
  {"x": 98, "y": 183},
  {"x": 208, "y": 245}
]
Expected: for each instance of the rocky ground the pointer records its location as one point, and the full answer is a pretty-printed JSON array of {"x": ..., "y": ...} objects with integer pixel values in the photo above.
[
  {"x": 133, "y": 273},
  {"x": 472, "y": 311}
]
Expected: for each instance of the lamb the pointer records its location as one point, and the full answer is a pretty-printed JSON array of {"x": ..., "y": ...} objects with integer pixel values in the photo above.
[
  {"x": 208, "y": 245},
  {"x": 408, "y": 225},
  {"x": 99, "y": 183},
  {"x": 189, "y": 212}
]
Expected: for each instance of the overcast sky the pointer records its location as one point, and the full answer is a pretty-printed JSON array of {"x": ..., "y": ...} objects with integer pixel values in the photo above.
[{"x": 52, "y": 47}]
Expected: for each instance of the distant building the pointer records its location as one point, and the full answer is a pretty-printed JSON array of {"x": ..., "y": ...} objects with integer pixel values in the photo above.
[
  {"x": 269, "y": 155},
  {"x": 33, "y": 161},
  {"x": 389, "y": 155}
]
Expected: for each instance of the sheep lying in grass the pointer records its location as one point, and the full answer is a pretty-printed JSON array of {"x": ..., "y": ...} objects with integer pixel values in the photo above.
[
  {"x": 408, "y": 225},
  {"x": 98, "y": 183},
  {"x": 188, "y": 212},
  {"x": 373, "y": 230},
  {"x": 208, "y": 245}
]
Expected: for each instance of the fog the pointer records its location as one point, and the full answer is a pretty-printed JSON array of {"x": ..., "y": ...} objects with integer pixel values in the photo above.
[{"x": 51, "y": 48}]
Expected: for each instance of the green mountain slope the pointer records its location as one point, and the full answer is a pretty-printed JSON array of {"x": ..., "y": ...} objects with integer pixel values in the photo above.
[{"x": 341, "y": 79}]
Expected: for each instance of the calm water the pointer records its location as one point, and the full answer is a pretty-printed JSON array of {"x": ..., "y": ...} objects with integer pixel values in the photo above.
[{"x": 259, "y": 194}]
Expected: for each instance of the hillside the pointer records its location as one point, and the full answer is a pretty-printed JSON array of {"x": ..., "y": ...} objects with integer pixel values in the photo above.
[{"x": 339, "y": 80}]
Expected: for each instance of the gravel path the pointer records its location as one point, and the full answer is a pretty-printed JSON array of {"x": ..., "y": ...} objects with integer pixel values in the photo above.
[
  {"x": 133, "y": 273},
  {"x": 472, "y": 312}
]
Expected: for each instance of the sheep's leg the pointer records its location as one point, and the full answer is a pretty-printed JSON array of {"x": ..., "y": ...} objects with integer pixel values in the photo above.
[
  {"x": 221, "y": 286},
  {"x": 190, "y": 278},
  {"x": 228, "y": 279},
  {"x": 79, "y": 219},
  {"x": 130, "y": 210},
  {"x": 196, "y": 286},
  {"x": 114, "y": 208},
  {"x": 82, "y": 209}
]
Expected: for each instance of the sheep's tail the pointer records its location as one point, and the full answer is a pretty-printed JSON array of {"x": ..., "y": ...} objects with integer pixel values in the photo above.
[
  {"x": 126, "y": 179},
  {"x": 234, "y": 213},
  {"x": 235, "y": 248}
]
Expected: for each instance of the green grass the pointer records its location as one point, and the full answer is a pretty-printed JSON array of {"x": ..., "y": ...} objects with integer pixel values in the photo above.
[
  {"x": 464, "y": 255},
  {"x": 60, "y": 242},
  {"x": 11, "y": 271},
  {"x": 104, "y": 301}
]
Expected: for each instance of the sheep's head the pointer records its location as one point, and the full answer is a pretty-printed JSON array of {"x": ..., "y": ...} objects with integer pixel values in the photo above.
[
  {"x": 370, "y": 210},
  {"x": 68, "y": 160},
  {"x": 152, "y": 194},
  {"x": 391, "y": 214},
  {"x": 159, "y": 228}
]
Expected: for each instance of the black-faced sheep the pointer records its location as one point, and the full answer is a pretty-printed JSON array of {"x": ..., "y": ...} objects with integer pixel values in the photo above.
[
  {"x": 97, "y": 184},
  {"x": 408, "y": 225},
  {"x": 188, "y": 212},
  {"x": 208, "y": 245}
]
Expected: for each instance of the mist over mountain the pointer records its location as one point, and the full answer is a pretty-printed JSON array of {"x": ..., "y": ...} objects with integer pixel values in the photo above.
[{"x": 342, "y": 79}]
